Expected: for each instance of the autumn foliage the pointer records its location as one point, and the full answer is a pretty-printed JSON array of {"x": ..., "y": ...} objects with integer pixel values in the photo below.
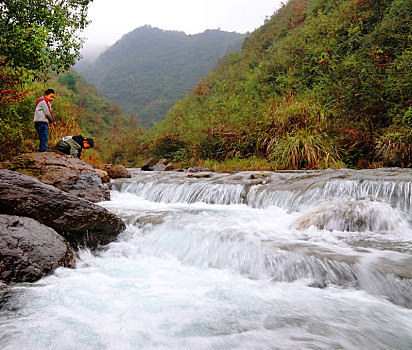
[{"x": 10, "y": 89}]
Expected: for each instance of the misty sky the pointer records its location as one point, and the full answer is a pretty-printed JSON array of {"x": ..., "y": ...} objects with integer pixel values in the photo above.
[{"x": 111, "y": 19}]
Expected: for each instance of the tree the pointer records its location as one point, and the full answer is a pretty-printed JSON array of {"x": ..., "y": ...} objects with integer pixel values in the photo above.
[{"x": 39, "y": 35}]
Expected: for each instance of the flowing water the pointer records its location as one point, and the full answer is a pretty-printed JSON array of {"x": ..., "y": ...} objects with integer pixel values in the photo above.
[{"x": 296, "y": 260}]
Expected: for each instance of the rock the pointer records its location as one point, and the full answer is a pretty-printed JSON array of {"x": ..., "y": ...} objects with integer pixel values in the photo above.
[
  {"x": 154, "y": 165},
  {"x": 118, "y": 171},
  {"x": 196, "y": 169},
  {"x": 199, "y": 175},
  {"x": 159, "y": 167},
  {"x": 163, "y": 167},
  {"x": 30, "y": 250},
  {"x": 148, "y": 164},
  {"x": 259, "y": 175},
  {"x": 238, "y": 177},
  {"x": 79, "y": 221},
  {"x": 104, "y": 176},
  {"x": 67, "y": 173},
  {"x": 361, "y": 215},
  {"x": 163, "y": 161},
  {"x": 220, "y": 176},
  {"x": 115, "y": 171},
  {"x": 168, "y": 166}
]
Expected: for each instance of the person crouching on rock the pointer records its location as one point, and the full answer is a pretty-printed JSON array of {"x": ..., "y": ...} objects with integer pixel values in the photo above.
[
  {"x": 73, "y": 145},
  {"x": 43, "y": 116}
]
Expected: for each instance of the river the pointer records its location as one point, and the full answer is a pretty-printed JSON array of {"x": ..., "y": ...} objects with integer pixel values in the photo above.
[{"x": 294, "y": 260}]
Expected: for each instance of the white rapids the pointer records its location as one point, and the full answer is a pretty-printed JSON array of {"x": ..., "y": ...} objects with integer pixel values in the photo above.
[{"x": 296, "y": 260}]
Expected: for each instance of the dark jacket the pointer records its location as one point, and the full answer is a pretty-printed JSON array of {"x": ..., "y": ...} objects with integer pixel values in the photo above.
[{"x": 71, "y": 145}]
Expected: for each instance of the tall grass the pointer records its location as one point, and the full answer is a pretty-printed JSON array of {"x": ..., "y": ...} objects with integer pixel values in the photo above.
[
  {"x": 303, "y": 149},
  {"x": 295, "y": 135},
  {"x": 395, "y": 147},
  {"x": 291, "y": 114}
]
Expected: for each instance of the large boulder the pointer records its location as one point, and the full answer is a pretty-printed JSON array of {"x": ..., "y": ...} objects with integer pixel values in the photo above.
[
  {"x": 30, "y": 250},
  {"x": 164, "y": 165},
  {"x": 116, "y": 171},
  {"x": 67, "y": 173},
  {"x": 79, "y": 221},
  {"x": 148, "y": 164}
]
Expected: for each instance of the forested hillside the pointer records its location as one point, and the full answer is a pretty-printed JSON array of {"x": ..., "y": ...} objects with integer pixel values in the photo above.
[
  {"x": 78, "y": 109},
  {"x": 38, "y": 39},
  {"x": 321, "y": 84},
  {"x": 149, "y": 68}
]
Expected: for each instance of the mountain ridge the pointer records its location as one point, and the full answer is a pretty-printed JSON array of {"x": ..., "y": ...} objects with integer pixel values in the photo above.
[{"x": 149, "y": 68}]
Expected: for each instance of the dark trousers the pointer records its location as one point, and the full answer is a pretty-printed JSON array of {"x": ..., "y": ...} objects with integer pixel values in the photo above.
[{"x": 43, "y": 131}]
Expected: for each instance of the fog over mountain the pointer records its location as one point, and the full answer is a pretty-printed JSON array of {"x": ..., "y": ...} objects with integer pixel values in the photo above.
[
  {"x": 90, "y": 53},
  {"x": 149, "y": 68}
]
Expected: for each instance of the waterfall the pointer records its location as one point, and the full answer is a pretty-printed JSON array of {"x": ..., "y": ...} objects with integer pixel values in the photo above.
[
  {"x": 397, "y": 193},
  {"x": 187, "y": 192}
]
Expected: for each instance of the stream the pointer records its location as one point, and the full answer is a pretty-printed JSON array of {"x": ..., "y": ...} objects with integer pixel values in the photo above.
[{"x": 249, "y": 260}]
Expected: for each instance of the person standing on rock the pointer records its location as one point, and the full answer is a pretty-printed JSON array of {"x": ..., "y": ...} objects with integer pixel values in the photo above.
[
  {"x": 73, "y": 145},
  {"x": 43, "y": 116}
]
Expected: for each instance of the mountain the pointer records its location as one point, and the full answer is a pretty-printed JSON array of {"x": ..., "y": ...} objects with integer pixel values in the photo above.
[
  {"x": 321, "y": 84},
  {"x": 149, "y": 68}
]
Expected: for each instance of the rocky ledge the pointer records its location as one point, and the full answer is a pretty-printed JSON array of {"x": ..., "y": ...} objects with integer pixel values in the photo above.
[
  {"x": 66, "y": 173},
  {"x": 78, "y": 220},
  {"x": 41, "y": 222}
]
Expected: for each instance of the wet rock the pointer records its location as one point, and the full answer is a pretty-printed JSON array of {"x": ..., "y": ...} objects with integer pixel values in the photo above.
[
  {"x": 169, "y": 167},
  {"x": 197, "y": 169},
  {"x": 154, "y": 165},
  {"x": 163, "y": 165},
  {"x": 30, "y": 250},
  {"x": 220, "y": 176},
  {"x": 258, "y": 175},
  {"x": 116, "y": 171},
  {"x": 104, "y": 176},
  {"x": 148, "y": 164},
  {"x": 361, "y": 215},
  {"x": 238, "y": 177},
  {"x": 199, "y": 175},
  {"x": 66, "y": 173},
  {"x": 79, "y": 221}
]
